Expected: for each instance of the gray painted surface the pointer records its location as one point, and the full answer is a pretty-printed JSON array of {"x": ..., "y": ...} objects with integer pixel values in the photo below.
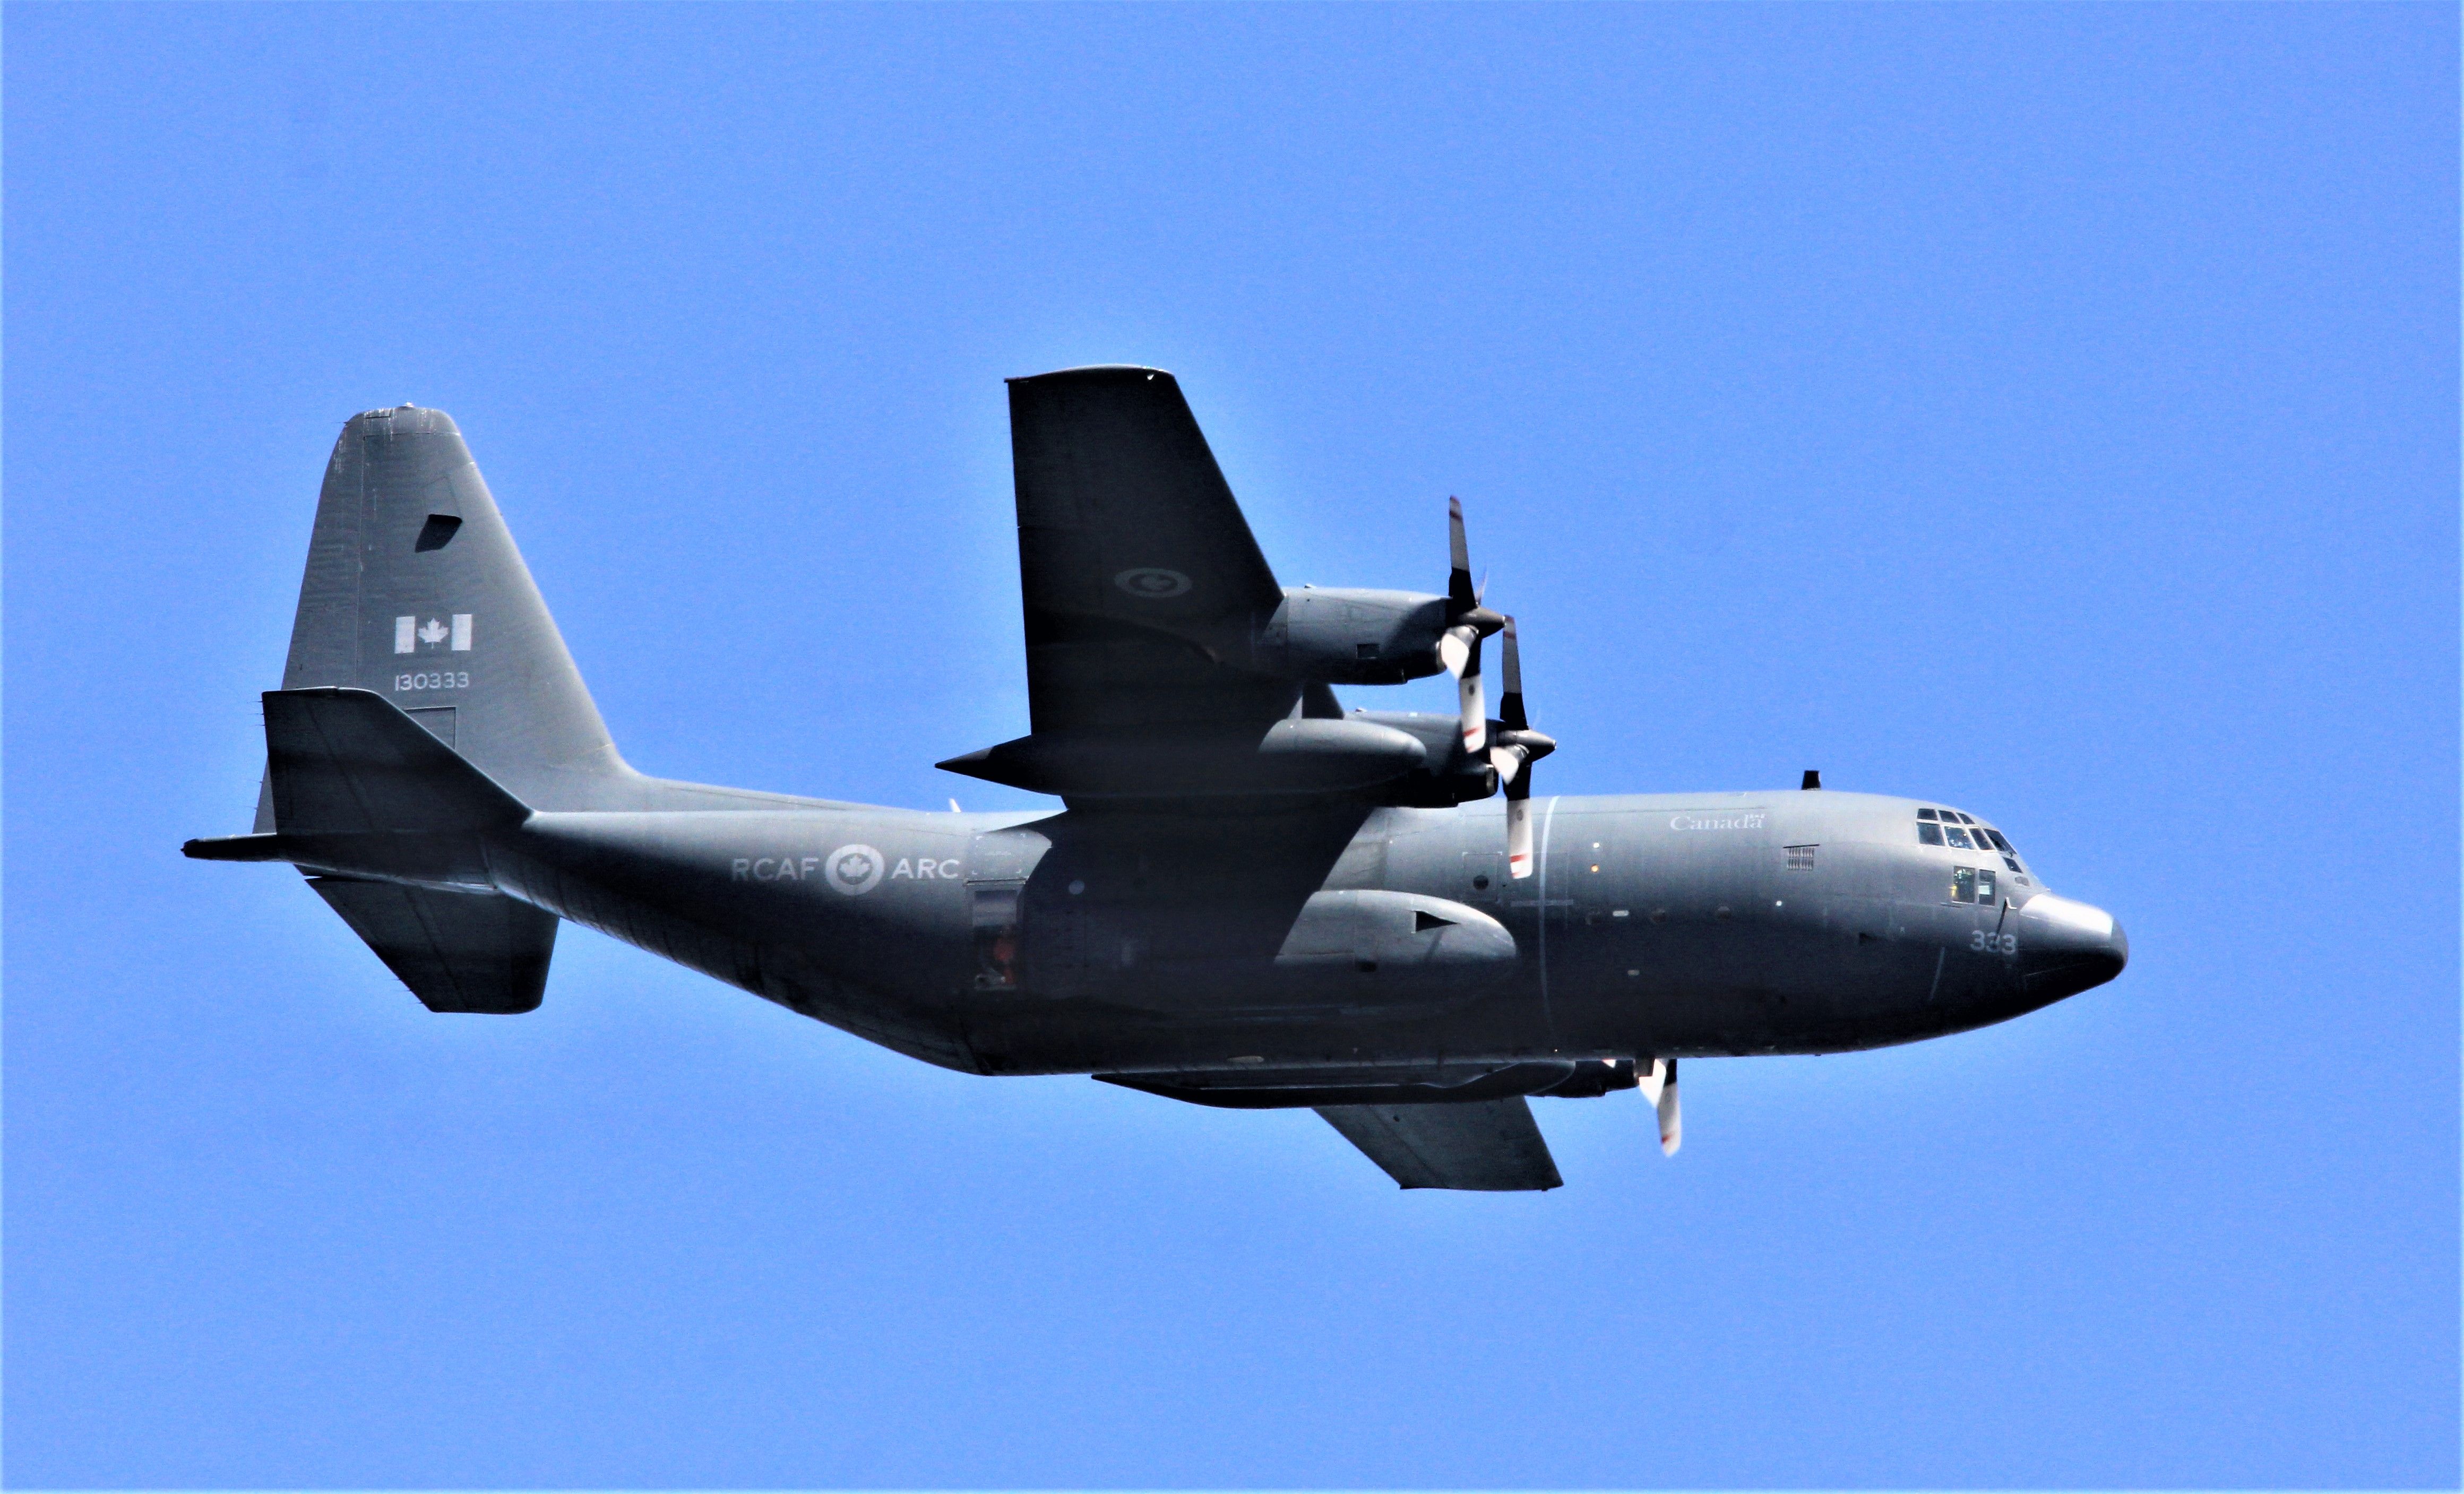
[
  {"x": 1252, "y": 897},
  {"x": 1488, "y": 1146}
]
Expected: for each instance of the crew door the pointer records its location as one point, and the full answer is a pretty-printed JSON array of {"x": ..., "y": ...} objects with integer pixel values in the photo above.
[{"x": 998, "y": 863}]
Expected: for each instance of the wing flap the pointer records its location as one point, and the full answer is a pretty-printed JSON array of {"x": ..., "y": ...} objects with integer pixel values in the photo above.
[{"x": 1486, "y": 1146}]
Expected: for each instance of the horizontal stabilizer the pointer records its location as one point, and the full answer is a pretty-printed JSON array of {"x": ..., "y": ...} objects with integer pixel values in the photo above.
[
  {"x": 1488, "y": 1146},
  {"x": 358, "y": 787},
  {"x": 458, "y": 952},
  {"x": 348, "y": 761}
]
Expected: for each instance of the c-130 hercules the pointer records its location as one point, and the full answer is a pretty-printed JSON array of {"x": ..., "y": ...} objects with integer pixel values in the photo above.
[{"x": 1253, "y": 899}]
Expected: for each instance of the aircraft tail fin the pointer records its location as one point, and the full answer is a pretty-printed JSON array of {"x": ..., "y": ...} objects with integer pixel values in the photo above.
[{"x": 414, "y": 591}]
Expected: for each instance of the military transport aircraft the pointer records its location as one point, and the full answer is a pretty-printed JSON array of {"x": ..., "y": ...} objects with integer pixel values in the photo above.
[{"x": 1254, "y": 897}]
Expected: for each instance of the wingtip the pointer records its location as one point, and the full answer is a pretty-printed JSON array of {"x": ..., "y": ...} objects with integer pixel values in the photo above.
[
  {"x": 233, "y": 847},
  {"x": 1091, "y": 373}
]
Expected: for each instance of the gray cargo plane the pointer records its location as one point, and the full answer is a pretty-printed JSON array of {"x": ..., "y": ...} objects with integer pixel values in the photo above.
[{"x": 1254, "y": 897}]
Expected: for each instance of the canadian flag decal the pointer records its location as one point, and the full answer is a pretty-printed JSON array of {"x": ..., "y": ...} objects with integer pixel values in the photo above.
[{"x": 411, "y": 634}]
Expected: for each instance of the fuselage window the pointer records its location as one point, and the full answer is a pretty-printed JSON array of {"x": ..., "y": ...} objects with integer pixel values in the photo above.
[
  {"x": 1985, "y": 887},
  {"x": 1963, "y": 883},
  {"x": 1958, "y": 837},
  {"x": 1928, "y": 833},
  {"x": 1924, "y": 814}
]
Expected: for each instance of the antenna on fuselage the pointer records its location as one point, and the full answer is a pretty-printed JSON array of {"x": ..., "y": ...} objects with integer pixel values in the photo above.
[{"x": 1812, "y": 779}]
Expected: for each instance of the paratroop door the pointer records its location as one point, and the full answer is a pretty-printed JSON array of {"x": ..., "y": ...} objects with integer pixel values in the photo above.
[{"x": 998, "y": 863}]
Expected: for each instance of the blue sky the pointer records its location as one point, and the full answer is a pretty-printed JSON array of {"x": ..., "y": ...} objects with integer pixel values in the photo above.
[{"x": 2046, "y": 410}]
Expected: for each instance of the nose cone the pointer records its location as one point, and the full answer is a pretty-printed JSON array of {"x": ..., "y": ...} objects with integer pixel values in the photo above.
[{"x": 2066, "y": 947}]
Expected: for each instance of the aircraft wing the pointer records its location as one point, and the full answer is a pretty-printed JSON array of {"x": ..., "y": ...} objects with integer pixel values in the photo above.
[
  {"x": 1134, "y": 560},
  {"x": 1490, "y": 1146}
]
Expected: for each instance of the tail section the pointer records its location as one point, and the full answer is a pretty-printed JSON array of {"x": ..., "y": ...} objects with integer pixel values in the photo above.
[
  {"x": 414, "y": 591},
  {"x": 386, "y": 821},
  {"x": 428, "y": 701}
]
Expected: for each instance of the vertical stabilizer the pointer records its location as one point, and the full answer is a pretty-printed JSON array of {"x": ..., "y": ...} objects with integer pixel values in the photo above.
[{"x": 414, "y": 591}]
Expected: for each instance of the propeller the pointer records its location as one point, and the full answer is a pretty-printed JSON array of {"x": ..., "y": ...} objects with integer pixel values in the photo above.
[
  {"x": 1517, "y": 747},
  {"x": 1467, "y": 622},
  {"x": 1658, "y": 1087}
]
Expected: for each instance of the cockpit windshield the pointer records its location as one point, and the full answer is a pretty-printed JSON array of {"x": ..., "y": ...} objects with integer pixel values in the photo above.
[{"x": 1953, "y": 830}]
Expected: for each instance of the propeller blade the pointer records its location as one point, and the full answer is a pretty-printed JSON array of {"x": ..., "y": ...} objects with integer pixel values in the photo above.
[
  {"x": 1509, "y": 707},
  {"x": 1467, "y": 624},
  {"x": 1464, "y": 613},
  {"x": 1475, "y": 701},
  {"x": 1658, "y": 1082},
  {"x": 1459, "y": 587},
  {"x": 1672, "y": 1122},
  {"x": 1518, "y": 747}
]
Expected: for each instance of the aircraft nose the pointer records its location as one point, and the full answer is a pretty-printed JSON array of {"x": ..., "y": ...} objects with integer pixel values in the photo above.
[{"x": 2067, "y": 946}]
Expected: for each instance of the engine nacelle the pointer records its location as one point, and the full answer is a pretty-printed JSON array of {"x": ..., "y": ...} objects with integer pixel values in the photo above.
[
  {"x": 1344, "y": 635},
  {"x": 1302, "y": 755},
  {"x": 1447, "y": 776}
]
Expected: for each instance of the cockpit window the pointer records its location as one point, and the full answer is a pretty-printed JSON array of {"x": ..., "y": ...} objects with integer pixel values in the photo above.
[
  {"x": 1942, "y": 828},
  {"x": 1988, "y": 838},
  {"x": 1972, "y": 884}
]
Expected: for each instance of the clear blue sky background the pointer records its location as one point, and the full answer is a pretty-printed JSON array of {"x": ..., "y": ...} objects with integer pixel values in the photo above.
[{"x": 2051, "y": 412}]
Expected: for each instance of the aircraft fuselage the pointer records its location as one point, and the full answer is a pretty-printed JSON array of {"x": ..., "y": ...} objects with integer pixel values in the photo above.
[
  {"x": 1660, "y": 924},
  {"x": 1255, "y": 898}
]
